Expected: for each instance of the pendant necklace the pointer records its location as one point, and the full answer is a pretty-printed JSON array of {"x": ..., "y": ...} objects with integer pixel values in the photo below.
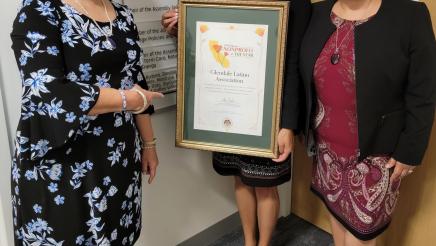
[
  {"x": 336, "y": 57},
  {"x": 108, "y": 36}
]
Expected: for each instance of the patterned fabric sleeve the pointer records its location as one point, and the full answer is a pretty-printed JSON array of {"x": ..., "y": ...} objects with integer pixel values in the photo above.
[{"x": 53, "y": 108}]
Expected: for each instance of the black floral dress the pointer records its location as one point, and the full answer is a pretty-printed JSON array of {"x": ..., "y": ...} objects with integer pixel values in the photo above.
[{"x": 76, "y": 179}]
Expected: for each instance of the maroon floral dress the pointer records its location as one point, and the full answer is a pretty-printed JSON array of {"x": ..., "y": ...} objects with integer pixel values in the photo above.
[{"x": 358, "y": 194}]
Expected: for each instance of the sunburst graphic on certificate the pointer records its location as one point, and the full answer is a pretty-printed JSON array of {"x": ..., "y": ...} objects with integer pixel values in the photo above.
[{"x": 230, "y": 68}]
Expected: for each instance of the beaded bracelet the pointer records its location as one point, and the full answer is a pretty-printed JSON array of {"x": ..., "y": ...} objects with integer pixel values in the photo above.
[
  {"x": 124, "y": 100},
  {"x": 149, "y": 145}
]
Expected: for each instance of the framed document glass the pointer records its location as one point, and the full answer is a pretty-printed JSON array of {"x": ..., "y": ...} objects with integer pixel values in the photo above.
[{"x": 230, "y": 75}]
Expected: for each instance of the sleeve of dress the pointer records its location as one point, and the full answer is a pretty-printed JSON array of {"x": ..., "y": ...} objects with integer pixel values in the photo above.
[
  {"x": 420, "y": 90},
  {"x": 53, "y": 108},
  {"x": 299, "y": 17}
]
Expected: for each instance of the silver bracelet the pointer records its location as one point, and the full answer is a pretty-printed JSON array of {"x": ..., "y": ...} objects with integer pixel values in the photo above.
[
  {"x": 144, "y": 98},
  {"x": 124, "y": 100}
]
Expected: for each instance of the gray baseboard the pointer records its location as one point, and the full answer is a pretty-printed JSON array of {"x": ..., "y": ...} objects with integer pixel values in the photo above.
[{"x": 215, "y": 232}]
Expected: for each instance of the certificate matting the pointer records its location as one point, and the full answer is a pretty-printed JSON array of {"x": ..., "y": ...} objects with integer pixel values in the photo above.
[
  {"x": 262, "y": 144},
  {"x": 230, "y": 77}
]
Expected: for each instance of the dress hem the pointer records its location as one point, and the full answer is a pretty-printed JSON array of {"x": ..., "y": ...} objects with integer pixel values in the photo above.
[
  {"x": 357, "y": 234},
  {"x": 254, "y": 182}
]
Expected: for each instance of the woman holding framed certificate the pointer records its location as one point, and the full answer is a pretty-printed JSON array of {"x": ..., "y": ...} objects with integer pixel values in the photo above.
[{"x": 256, "y": 178}]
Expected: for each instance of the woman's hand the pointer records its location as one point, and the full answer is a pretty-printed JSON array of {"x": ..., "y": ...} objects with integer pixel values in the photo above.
[
  {"x": 135, "y": 101},
  {"x": 149, "y": 163},
  {"x": 170, "y": 20},
  {"x": 285, "y": 140},
  {"x": 401, "y": 170}
]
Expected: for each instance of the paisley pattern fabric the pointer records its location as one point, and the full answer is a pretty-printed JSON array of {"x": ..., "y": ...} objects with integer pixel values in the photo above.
[
  {"x": 76, "y": 179},
  {"x": 358, "y": 194}
]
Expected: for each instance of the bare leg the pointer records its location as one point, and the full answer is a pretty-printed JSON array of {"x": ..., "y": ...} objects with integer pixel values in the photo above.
[
  {"x": 268, "y": 205},
  {"x": 350, "y": 240},
  {"x": 246, "y": 200},
  {"x": 338, "y": 231}
]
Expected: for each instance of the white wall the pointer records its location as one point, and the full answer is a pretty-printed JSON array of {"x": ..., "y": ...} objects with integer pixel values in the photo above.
[
  {"x": 5, "y": 196},
  {"x": 187, "y": 196},
  {"x": 10, "y": 85}
]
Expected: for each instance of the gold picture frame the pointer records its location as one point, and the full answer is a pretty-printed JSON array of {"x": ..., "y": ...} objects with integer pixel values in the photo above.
[{"x": 275, "y": 16}]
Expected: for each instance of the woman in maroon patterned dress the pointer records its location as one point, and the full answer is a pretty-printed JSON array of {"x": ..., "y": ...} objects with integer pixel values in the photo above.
[
  {"x": 372, "y": 107},
  {"x": 338, "y": 177}
]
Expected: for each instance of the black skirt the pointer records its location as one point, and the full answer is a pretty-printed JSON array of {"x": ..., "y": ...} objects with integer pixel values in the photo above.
[{"x": 253, "y": 171}]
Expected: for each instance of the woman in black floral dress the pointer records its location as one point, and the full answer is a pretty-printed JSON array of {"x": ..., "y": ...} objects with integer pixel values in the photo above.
[
  {"x": 256, "y": 179},
  {"x": 76, "y": 173}
]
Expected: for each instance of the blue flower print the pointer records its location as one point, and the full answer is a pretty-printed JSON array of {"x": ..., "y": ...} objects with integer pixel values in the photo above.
[
  {"x": 35, "y": 37},
  {"x": 122, "y": 25},
  {"x": 112, "y": 191},
  {"x": 30, "y": 175},
  {"x": 85, "y": 68},
  {"x": 111, "y": 142},
  {"x": 80, "y": 240},
  {"x": 95, "y": 31},
  {"x": 118, "y": 121},
  {"x": 53, "y": 187},
  {"x": 72, "y": 77},
  {"x": 37, "y": 208},
  {"x": 130, "y": 41},
  {"x": 114, "y": 235},
  {"x": 54, "y": 108},
  {"x": 102, "y": 81},
  {"x": 83, "y": 119},
  {"x": 70, "y": 117},
  {"x": 23, "y": 59},
  {"x": 27, "y": 3},
  {"x": 127, "y": 13},
  {"x": 67, "y": 34},
  {"x": 126, "y": 83},
  {"x": 102, "y": 205},
  {"x": 84, "y": 105},
  {"x": 32, "y": 48},
  {"x": 22, "y": 17},
  {"x": 20, "y": 142},
  {"x": 37, "y": 82},
  {"x": 52, "y": 50},
  {"x": 115, "y": 155},
  {"x": 80, "y": 170},
  {"x": 15, "y": 173},
  {"x": 37, "y": 232},
  {"x": 59, "y": 200},
  {"x": 131, "y": 54},
  {"x": 45, "y": 9},
  {"x": 96, "y": 193},
  {"x": 125, "y": 162},
  {"x": 40, "y": 149},
  {"x": 106, "y": 181},
  {"x": 97, "y": 131},
  {"x": 55, "y": 172},
  {"x": 37, "y": 226}
]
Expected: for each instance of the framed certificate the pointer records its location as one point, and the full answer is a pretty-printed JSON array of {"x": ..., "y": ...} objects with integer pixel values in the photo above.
[{"x": 230, "y": 75}]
